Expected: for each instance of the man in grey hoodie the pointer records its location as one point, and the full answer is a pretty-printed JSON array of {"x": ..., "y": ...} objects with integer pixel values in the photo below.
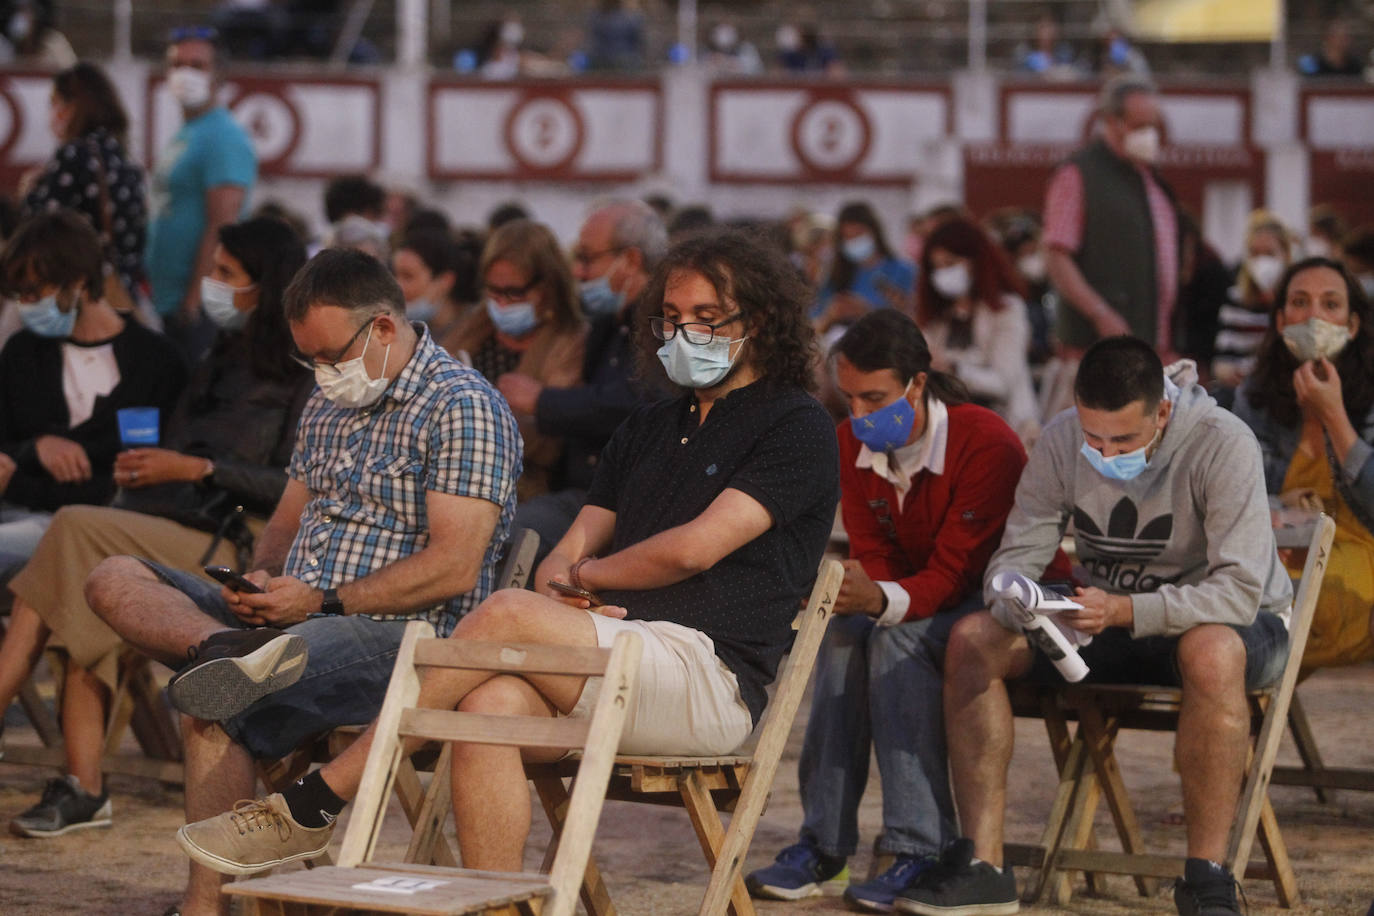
[{"x": 1183, "y": 586}]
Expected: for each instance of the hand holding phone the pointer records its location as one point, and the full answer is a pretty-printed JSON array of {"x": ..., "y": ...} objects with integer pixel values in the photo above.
[
  {"x": 573, "y": 591},
  {"x": 233, "y": 580}
]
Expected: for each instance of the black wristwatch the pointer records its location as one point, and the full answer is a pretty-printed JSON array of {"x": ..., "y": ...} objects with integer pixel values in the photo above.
[{"x": 332, "y": 603}]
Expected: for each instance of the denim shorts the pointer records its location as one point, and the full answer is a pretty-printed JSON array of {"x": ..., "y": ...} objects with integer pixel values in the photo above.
[
  {"x": 1115, "y": 657},
  {"x": 346, "y": 673}
]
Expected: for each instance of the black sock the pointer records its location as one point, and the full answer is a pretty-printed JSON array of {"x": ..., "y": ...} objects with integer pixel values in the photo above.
[{"x": 312, "y": 802}]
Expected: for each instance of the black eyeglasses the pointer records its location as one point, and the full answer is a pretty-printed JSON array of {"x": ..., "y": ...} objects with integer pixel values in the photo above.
[
  {"x": 330, "y": 365},
  {"x": 510, "y": 293},
  {"x": 694, "y": 332}
]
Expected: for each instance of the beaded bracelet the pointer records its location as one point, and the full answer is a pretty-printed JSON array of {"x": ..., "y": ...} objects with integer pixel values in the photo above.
[{"x": 573, "y": 572}]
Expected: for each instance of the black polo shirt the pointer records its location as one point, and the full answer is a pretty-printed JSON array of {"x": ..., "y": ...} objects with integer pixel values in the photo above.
[{"x": 662, "y": 468}]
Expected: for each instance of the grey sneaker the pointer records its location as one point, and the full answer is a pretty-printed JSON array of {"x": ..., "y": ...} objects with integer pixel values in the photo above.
[
  {"x": 64, "y": 807},
  {"x": 255, "y": 836},
  {"x": 1206, "y": 889},
  {"x": 233, "y": 669}
]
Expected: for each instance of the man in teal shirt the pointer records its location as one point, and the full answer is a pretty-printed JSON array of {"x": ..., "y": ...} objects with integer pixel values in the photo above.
[{"x": 202, "y": 181}]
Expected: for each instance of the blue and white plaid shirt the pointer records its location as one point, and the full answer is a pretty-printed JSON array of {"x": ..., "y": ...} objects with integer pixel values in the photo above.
[{"x": 440, "y": 426}]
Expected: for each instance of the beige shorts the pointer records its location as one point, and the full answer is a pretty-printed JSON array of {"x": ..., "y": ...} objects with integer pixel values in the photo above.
[{"x": 686, "y": 703}]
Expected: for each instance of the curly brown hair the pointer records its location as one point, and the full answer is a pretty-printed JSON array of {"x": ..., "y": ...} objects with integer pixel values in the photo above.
[{"x": 755, "y": 276}]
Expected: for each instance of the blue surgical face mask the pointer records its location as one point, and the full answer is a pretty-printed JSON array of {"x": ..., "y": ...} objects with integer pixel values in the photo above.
[
  {"x": 422, "y": 309},
  {"x": 46, "y": 319},
  {"x": 860, "y": 248},
  {"x": 697, "y": 365},
  {"x": 887, "y": 427},
  {"x": 1125, "y": 466},
  {"x": 514, "y": 320},
  {"x": 599, "y": 299}
]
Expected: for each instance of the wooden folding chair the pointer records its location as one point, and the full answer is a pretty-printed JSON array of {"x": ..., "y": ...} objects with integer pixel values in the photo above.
[
  {"x": 705, "y": 786},
  {"x": 1089, "y": 772},
  {"x": 354, "y": 883},
  {"x": 424, "y": 808}
]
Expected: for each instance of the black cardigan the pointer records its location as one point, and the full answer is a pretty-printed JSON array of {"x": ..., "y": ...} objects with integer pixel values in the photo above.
[{"x": 151, "y": 374}]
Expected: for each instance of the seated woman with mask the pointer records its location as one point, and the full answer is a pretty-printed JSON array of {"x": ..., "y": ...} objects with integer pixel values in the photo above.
[
  {"x": 1310, "y": 402},
  {"x": 531, "y": 324},
  {"x": 196, "y": 501},
  {"x": 65, "y": 376}
]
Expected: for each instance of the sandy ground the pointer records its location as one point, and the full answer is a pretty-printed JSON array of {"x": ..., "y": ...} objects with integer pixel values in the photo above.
[{"x": 652, "y": 861}]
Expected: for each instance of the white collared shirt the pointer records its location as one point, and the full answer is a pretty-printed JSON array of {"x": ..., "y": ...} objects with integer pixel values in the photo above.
[{"x": 899, "y": 467}]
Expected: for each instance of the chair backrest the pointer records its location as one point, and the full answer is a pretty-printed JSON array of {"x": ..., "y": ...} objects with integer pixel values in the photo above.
[
  {"x": 773, "y": 734},
  {"x": 596, "y": 737},
  {"x": 518, "y": 564},
  {"x": 1281, "y": 695}
]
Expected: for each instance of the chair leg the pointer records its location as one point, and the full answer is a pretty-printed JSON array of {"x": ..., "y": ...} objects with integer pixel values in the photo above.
[
  {"x": 1307, "y": 746},
  {"x": 696, "y": 797},
  {"x": 554, "y": 796},
  {"x": 1276, "y": 854},
  {"x": 1071, "y": 772},
  {"x": 1101, "y": 737},
  {"x": 426, "y": 814},
  {"x": 49, "y": 732},
  {"x": 1078, "y": 827}
]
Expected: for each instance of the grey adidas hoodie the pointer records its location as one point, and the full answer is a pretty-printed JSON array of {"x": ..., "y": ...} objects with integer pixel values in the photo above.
[{"x": 1189, "y": 539}]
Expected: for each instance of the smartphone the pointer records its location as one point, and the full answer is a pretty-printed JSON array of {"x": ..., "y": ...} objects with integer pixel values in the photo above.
[
  {"x": 572, "y": 590},
  {"x": 230, "y": 578}
]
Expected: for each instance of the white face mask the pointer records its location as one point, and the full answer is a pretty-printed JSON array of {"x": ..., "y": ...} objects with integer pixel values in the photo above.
[
  {"x": 1032, "y": 266},
  {"x": 1142, "y": 144},
  {"x": 1317, "y": 247},
  {"x": 217, "y": 299},
  {"x": 1316, "y": 339},
  {"x": 952, "y": 282},
  {"x": 1265, "y": 270},
  {"x": 347, "y": 384},
  {"x": 189, "y": 86}
]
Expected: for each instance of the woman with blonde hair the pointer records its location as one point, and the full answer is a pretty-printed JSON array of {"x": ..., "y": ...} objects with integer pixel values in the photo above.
[
  {"x": 530, "y": 324},
  {"x": 1244, "y": 317}
]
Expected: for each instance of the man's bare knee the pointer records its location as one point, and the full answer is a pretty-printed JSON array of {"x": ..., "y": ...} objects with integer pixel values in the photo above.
[
  {"x": 1211, "y": 660},
  {"x": 503, "y": 615},
  {"x": 110, "y": 579},
  {"x": 981, "y": 647}
]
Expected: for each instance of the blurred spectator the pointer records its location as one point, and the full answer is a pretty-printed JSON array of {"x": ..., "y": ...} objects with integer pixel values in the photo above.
[
  {"x": 1337, "y": 55},
  {"x": 1244, "y": 318},
  {"x": 1114, "y": 55},
  {"x": 971, "y": 307},
  {"x": 689, "y": 219},
  {"x": 1357, "y": 253},
  {"x": 29, "y": 37},
  {"x": 93, "y": 174},
  {"x": 436, "y": 276},
  {"x": 361, "y": 234},
  {"x": 920, "y": 225},
  {"x": 1325, "y": 232},
  {"x": 275, "y": 209},
  {"x": 427, "y": 219},
  {"x": 727, "y": 52},
  {"x": 349, "y": 195},
  {"x": 401, "y": 204},
  {"x": 1204, "y": 282},
  {"x": 811, "y": 244},
  {"x": 618, "y": 248},
  {"x": 865, "y": 273},
  {"x": 508, "y": 212},
  {"x": 202, "y": 180},
  {"x": 76, "y": 363},
  {"x": 803, "y": 49},
  {"x": 662, "y": 204},
  {"x": 1046, "y": 54},
  {"x": 252, "y": 29},
  {"x": 615, "y": 36},
  {"x": 531, "y": 324},
  {"x": 502, "y": 55},
  {"x": 1019, "y": 232}
]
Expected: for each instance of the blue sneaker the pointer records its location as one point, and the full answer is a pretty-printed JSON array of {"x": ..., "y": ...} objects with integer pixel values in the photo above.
[
  {"x": 878, "y": 893},
  {"x": 800, "y": 870}
]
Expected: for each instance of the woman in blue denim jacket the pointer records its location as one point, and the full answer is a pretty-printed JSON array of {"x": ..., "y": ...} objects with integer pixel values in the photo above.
[{"x": 1310, "y": 402}]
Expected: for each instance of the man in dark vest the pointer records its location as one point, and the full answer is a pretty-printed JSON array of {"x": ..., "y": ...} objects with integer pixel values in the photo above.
[{"x": 1111, "y": 228}]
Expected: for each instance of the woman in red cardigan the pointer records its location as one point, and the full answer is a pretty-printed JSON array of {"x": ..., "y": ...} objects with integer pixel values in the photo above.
[{"x": 927, "y": 480}]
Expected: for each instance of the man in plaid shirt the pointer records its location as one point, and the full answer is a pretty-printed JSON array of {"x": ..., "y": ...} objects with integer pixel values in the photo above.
[{"x": 401, "y": 490}]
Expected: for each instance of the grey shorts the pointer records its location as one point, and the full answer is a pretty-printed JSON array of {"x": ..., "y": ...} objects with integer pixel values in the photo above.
[
  {"x": 345, "y": 679},
  {"x": 1115, "y": 657}
]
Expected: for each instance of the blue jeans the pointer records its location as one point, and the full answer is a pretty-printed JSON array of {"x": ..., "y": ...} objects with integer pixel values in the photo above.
[
  {"x": 21, "y": 529},
  {"x": 346, "y": 673},
  {"x": 881, "y": 686}
]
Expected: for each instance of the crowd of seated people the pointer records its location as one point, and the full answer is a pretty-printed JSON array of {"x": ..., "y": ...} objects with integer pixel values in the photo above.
[{"x": 369, "y": 424}]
